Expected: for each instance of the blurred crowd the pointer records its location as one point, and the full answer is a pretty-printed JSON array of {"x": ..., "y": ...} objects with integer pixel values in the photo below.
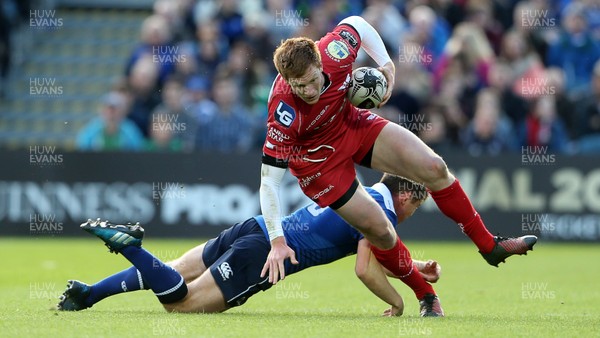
[
  {"x": 13, "y": 16},
  {"x": 485, "y": 76}
]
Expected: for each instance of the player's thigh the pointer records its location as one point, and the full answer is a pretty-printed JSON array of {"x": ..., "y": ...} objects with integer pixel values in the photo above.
[
  {"x": 398, "y": 151},
  {"x": 204, "y": 296},
  {"x": 364, "y": 214},
  {"x": 190, "y": 265}
]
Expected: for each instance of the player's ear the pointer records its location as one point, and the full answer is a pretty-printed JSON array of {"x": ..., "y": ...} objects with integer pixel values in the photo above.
[{"x": 404, "y": 196}]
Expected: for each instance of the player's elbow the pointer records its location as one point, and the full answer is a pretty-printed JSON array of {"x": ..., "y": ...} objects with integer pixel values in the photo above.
[{"x": 362, "y": 272}]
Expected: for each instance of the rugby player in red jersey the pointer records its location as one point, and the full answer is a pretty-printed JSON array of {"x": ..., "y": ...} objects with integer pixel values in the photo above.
[{"x": 315, "y": 132}]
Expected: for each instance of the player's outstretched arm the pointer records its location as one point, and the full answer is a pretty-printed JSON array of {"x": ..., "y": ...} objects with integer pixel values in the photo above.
[
  {"x": 373, "y": 45},
  {"x": 270, "y": 180},
  {"x": 370, "y": 272}
]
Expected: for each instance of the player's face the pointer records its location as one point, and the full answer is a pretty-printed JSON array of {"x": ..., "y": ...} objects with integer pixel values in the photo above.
[
  {"x": 408, "y": 209},
  {"x": 308, "y": 87}
]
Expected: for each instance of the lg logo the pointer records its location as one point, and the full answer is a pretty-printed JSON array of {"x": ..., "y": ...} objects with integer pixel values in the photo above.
[{"x": 285, "y": 114}]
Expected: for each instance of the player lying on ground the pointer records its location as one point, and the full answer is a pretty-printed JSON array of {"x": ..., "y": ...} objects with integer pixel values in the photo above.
[
  {"x": 314, "y": 130},
  {"x": 225, "y": 271}
]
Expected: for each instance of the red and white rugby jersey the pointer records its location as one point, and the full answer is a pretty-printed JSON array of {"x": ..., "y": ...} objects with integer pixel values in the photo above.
[{"x": 295, "y": 127}]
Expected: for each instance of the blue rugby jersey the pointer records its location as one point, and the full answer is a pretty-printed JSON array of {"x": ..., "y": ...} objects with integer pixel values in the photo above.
[{"x": 320, "y": 236}]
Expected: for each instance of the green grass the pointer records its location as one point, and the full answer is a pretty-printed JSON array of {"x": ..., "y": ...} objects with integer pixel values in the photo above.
[{"x": 552, "y": 292}]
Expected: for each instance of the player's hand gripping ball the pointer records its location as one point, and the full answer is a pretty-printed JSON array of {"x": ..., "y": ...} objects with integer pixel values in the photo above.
[{"x": 367, "y": 88}]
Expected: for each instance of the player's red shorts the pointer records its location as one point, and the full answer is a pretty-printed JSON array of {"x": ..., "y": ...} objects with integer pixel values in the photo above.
[{"x": 326, "y": 171}]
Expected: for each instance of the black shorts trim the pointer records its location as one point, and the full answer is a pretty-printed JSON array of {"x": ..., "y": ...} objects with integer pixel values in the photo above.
[
  {"x": 276, "y": 162},
  {"x": 346, "y": 196},
  {"x": 366, "y": 161}
]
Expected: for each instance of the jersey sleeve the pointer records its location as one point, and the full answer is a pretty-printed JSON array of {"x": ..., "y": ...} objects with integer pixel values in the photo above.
[
  {"x": 339, "y": 48},
  {"x": 280, "y": 127}
]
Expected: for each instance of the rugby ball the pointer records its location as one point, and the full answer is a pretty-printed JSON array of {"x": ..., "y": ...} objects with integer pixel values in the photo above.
[{"x": 367, "y": 88}]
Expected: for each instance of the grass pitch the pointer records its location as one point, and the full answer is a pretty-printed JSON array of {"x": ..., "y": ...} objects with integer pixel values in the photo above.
[{"x": 552, "y": 292}]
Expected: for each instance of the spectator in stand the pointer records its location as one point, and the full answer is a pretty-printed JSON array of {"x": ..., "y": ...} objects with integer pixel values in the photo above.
[
  {"x": 576, "y": 50},
  {"x": 197, "y": 100},
  {"x": 481, "y": 14},
  {"x": 387, "y": 20},
  {"x": 239, "y": 66},
  {"x": 526, "y": 68},
  {"x": 430, "y": 31},
  {"x": 470, "y": 50},
  {"x": 592, "y": 13},
  {"x": 209, "y": 49},
  {"x": 231, "y": 20},
  {"x": 452, "y": 95},
  {"x": 536, "y": 22},
  {"x": 542, "y": 127},
  {"x": 163, "y": 132},
  {"x": 318, "y": 24},
  {"x": 230, "y": 128},
  {"x": 435, "y": 133},
  {"x": 156, "y": 43},
  {"x": 145, "y": 96},
  {"x": 179, "y": 118},
  {"x": 515, "y": 106},
  {"x": 555, "y": 82},
  {"x": 490, "y": 132},
  {"x": 413, "y": 65},
  {"x": 588, "y": 116},
  {"x": 110, "y": 131}
]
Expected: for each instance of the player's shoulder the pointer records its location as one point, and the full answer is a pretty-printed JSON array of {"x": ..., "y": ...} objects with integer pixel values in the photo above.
[{"x": 339, "y": 47}]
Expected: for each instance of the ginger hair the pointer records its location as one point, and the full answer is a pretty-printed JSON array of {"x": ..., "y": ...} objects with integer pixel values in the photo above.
[{"x": 293, "y": 57}]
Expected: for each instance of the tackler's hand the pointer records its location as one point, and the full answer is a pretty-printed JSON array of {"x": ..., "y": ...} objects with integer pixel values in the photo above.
[{"x": 280, "y": 251}]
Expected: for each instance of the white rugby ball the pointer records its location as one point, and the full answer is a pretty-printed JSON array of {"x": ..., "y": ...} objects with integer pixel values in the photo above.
[{"x": 367, "y": 88}]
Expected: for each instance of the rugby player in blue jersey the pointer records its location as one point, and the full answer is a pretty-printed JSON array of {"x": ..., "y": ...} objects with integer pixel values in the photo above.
[{"x": 225, "y": 271}]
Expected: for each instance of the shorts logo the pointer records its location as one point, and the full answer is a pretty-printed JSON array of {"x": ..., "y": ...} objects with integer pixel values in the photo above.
[
  {"x": 323, "y": 192},
  {"x": 305, "y": 181},
  {"x": 225, "y": 270},
  {"x": 284, "y": 114},
  {"x": 337, "y": 50},
  {"x": 350, "y": 38}
]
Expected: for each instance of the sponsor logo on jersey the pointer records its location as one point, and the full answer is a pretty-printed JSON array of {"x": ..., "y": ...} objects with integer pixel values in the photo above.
[
  {"x": 225, "y": 270},
  {"x": 285, "y": 114},
  {"x": 305, "y": 181},
  {"x": 337, "y": 50},
  {"x": 277, "y": 135},
  {"x": 317, "y": 118},
  {"x": 323, "y": 192},
  {"x": 352, "y": 41},
  {"x": 371, "y": 117},
  {"x": 346, "y": 83},
  {"x": 270, "y": 145}
]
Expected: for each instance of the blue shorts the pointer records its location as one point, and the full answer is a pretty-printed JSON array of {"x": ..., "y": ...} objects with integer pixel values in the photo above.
[{"x": 235, "y": 258}]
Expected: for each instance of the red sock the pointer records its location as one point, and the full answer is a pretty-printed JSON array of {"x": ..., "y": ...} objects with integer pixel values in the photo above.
[
  {"x": 454, "y": 203},
  {"x": 399, "y": 262},
  {"x": 416, "y": 282}
]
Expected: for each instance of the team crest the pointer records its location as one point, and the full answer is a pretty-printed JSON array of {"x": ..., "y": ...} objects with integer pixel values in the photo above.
[{"x": 337, "y": 50}]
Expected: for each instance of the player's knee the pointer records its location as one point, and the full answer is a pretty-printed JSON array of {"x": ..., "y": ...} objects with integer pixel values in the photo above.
[
  {"x": 381, "y": 236},
  {"x": 436, "y": 168},
  {"x": 183, "y": 306}
]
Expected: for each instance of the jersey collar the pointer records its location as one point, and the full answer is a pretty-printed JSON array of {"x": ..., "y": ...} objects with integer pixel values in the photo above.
[
  {"x": 387, "y": 196},
  {"x": 326, "y": 84}
]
